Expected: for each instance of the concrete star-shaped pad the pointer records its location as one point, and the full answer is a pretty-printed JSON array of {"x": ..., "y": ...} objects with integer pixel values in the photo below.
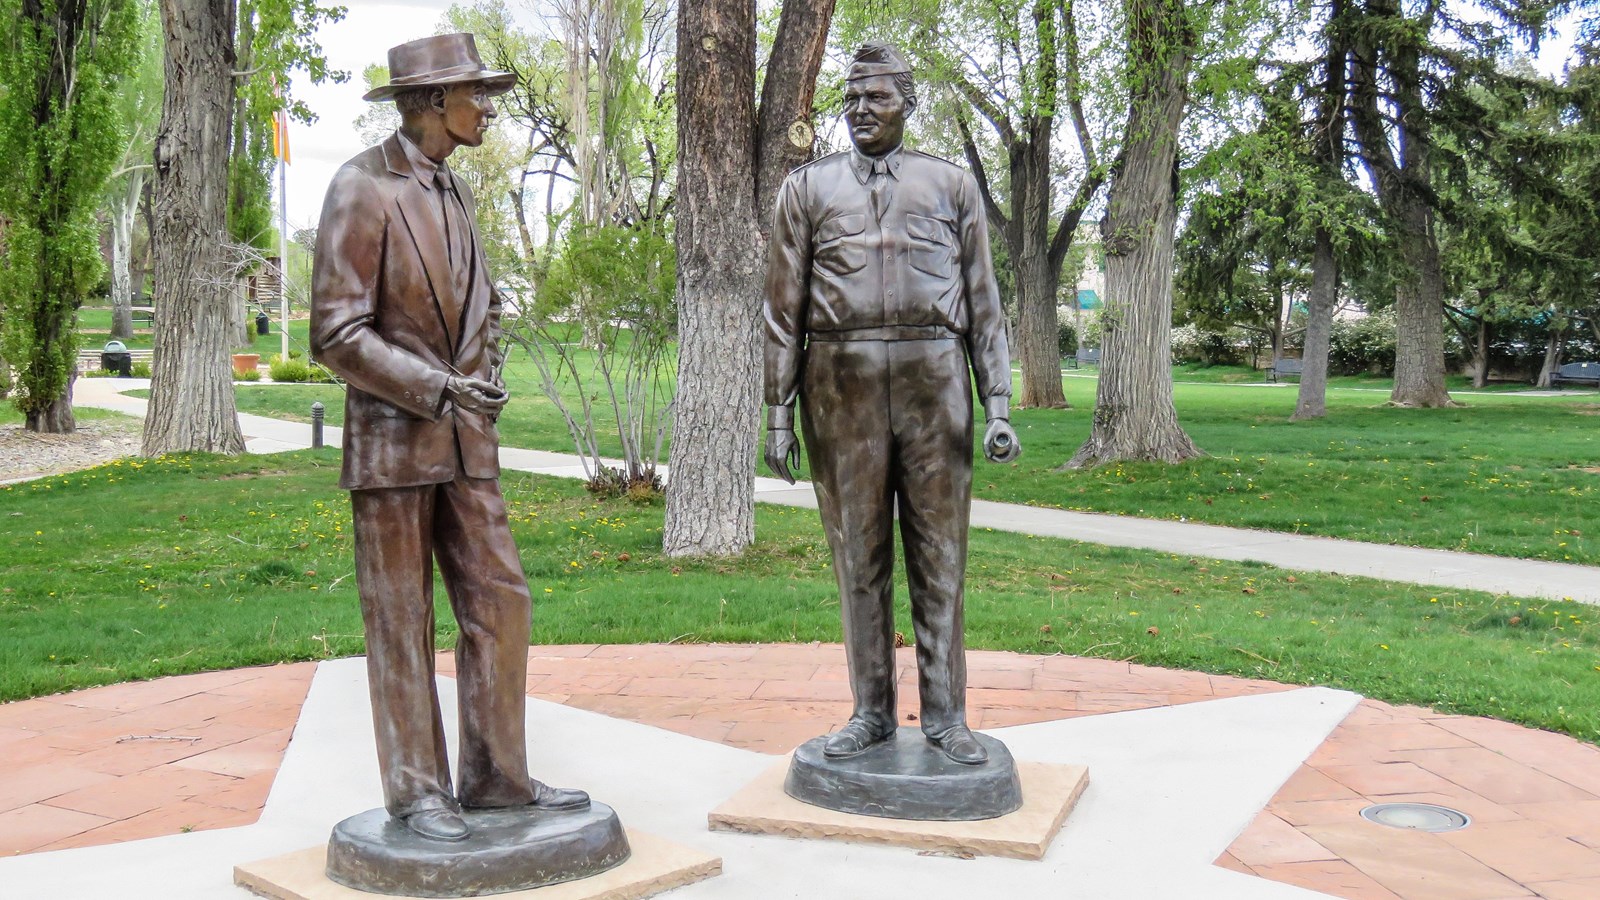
[{"x": 1172, "y": 788}]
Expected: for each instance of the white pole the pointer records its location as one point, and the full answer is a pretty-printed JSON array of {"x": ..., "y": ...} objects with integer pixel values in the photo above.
[{"x": 283, "y": 253}]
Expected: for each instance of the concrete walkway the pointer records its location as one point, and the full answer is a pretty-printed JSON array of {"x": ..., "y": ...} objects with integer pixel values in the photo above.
[
  {"x": 1203, "y": 787},
  {"x": 1442, "y": 568}
]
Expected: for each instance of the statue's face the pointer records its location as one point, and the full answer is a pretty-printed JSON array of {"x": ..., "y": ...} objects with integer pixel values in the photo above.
[
  {"x": 876, "y": 111},
  {"x": 468, "y": 110}
]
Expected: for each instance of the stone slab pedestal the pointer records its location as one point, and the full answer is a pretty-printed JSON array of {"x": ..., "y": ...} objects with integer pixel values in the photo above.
[
  {"x": 907, "y": 777},
  {"x": 655, "y": 866},
  {"x": 1048, "y": 794}
]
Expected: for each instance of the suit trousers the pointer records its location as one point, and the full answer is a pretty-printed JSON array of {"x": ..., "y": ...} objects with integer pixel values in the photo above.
[
  {"x": 888, "y": 424},
  {"x": 399, "y": 532}
]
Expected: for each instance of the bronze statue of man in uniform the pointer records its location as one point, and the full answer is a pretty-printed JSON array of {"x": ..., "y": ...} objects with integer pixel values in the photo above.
[
  {"x": 881, "y": 299},
  {"x": 403, "y": 309}
]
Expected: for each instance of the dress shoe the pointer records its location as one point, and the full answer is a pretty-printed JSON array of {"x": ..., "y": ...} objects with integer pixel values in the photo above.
[
  {"x": 554, "y": 798},
  {"x": 438, "y": 824},
  {"x": 961, "y": 746},
  {"x": 854, "y": 739}
]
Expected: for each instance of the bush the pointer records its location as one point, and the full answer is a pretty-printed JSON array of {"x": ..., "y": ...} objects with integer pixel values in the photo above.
[
  {"x": 1066, "y": 338},
  {"x": 1194, "y": 346},
  {"x": 141, "y": 370},
  {"x": 251, "y": 375},
  {"x": 1362, "y": 346},
  {"x": 298, "y": 371}
]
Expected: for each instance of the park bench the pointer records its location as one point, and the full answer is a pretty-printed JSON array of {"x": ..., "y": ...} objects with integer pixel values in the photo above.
[
  {"x": 1577, "y": 373},
  {"x": 1283, "y": 368},
  {"x": 145, "y": 315},
  {"x": 1083, "y": 356}
]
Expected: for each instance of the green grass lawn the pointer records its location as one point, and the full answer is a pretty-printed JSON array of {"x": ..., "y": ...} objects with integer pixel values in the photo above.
[
  {"x": 94, "y": 329},
  {"x": 153, "y": 567},
  {"x": 1194, "y": 373},
  {"x": 1509, "y": 476}
]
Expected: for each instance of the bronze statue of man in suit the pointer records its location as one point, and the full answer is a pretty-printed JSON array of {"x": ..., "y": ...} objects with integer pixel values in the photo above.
[
  {"x": 404, "y": 310},
  {"x": 881, "y": 299}
]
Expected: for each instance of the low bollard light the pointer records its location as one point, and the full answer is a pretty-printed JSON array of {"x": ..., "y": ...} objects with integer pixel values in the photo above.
[{"x": 317, "y": 411}]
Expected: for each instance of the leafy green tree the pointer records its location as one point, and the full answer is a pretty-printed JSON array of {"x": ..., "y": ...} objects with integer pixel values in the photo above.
[
  {"x": 60, "y": 62},
  {"x": 272, "y": 39},
  {"x": 1410, "y": 73},
  {"x": 139, "y": 108},
  {"x": 1134, "y": 416}
]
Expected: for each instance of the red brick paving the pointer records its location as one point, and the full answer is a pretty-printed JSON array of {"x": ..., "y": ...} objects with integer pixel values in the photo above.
[
  {"x": 146, "y": 759},
  {"x": 1534, "y": 798}
]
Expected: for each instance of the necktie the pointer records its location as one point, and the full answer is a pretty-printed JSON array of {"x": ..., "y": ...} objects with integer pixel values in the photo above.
[
  {"x": 882, "y": 188},
  {"x": 457, "y": 233}
]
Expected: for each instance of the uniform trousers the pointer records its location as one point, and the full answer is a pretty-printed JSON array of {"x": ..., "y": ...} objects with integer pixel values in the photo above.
[
  {"x": 399, "y": 532},
  {"x": 889, "y": 424}
]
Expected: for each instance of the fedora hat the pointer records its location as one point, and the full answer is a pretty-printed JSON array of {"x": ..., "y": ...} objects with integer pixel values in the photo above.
[{"x": 436, "y": 61}]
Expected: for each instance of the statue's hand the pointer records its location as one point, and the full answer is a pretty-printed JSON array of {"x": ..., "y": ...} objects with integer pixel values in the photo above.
[
  {"x": 475, "y": 395},
  {"x": 783, "y": 453},
  {"x": 1000, "y": 444}
]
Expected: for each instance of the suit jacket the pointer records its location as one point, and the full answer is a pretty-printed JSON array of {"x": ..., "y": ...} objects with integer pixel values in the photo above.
[
  {"x": 838, "y": 264},
  {"x": 386, "y": 317}
]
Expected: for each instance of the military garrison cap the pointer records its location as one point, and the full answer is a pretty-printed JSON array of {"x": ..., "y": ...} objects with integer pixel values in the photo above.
[{"x": 877, "y": 58}]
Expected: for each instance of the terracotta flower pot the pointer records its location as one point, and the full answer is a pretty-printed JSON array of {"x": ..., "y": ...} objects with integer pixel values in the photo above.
[{"x": 246, "y": 362}]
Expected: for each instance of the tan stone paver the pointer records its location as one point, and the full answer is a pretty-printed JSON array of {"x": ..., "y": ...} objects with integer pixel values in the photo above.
[{"x": 135, "y": 761}]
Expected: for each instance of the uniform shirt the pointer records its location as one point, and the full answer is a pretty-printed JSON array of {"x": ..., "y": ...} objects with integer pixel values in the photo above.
[{"x": 840, "y": 263}]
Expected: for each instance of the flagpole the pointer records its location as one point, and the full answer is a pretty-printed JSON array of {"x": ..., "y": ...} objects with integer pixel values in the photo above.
[{"x": 283, "y": 243}]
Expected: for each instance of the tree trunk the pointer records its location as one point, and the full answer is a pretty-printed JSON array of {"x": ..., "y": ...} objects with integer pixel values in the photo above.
[
  {"x": 1320, "y": 303},
  {"x": 1419, "y": 313},
  {"x": 1480, "y": 355},
  {"x": 1038, "y": 340},
  {"x": 1134, "y": 416},
  {"x": 1037, "y": 332},
  {"x": 711, "y": 492},
  {"x": 716, "y": 422},
  {"x": 785, "y": 136},
  {"x": 123, "y": 213},
  {"x": 242, "y": 326},
  {"x": 57, "y": 418},
  {"x": 191, "y": 396},
  {"x": 1552, "y": 355}
]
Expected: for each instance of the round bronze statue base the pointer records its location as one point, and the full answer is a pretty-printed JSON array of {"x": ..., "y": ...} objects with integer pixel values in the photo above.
[
  {"x": 514, "y": 849},
  {"x": 907, "y": 777}
]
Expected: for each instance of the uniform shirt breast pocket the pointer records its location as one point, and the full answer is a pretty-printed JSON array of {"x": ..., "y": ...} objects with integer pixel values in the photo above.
[
  {"x": 931, "y": 245},
  {"x": 840, "y": 247}
]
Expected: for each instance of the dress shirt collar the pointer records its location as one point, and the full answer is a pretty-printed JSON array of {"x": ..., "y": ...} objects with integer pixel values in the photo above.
[
  {"x": 427, "y": 170},
  {"x": 861, "y": 164}
]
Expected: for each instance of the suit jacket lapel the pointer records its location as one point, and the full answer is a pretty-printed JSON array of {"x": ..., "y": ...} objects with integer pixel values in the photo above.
[
  {"x": 423, "y": 223},
  {"x": 477, "y": 298}
]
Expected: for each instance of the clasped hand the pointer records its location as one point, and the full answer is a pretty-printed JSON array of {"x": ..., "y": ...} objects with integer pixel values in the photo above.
[{"x": 476, "y": 395}]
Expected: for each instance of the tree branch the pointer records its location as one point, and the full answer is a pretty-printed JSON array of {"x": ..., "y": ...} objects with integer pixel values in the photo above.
[{"x": 981, "y": 175}]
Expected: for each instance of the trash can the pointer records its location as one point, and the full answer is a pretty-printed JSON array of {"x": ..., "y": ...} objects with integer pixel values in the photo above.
[
  {"x": 263, "y": 324},
  {"x": 115, "y": 358}
]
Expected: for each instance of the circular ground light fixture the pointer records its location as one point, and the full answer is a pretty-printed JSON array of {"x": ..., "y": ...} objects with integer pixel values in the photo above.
[{"x": 1417, "y": 817}]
